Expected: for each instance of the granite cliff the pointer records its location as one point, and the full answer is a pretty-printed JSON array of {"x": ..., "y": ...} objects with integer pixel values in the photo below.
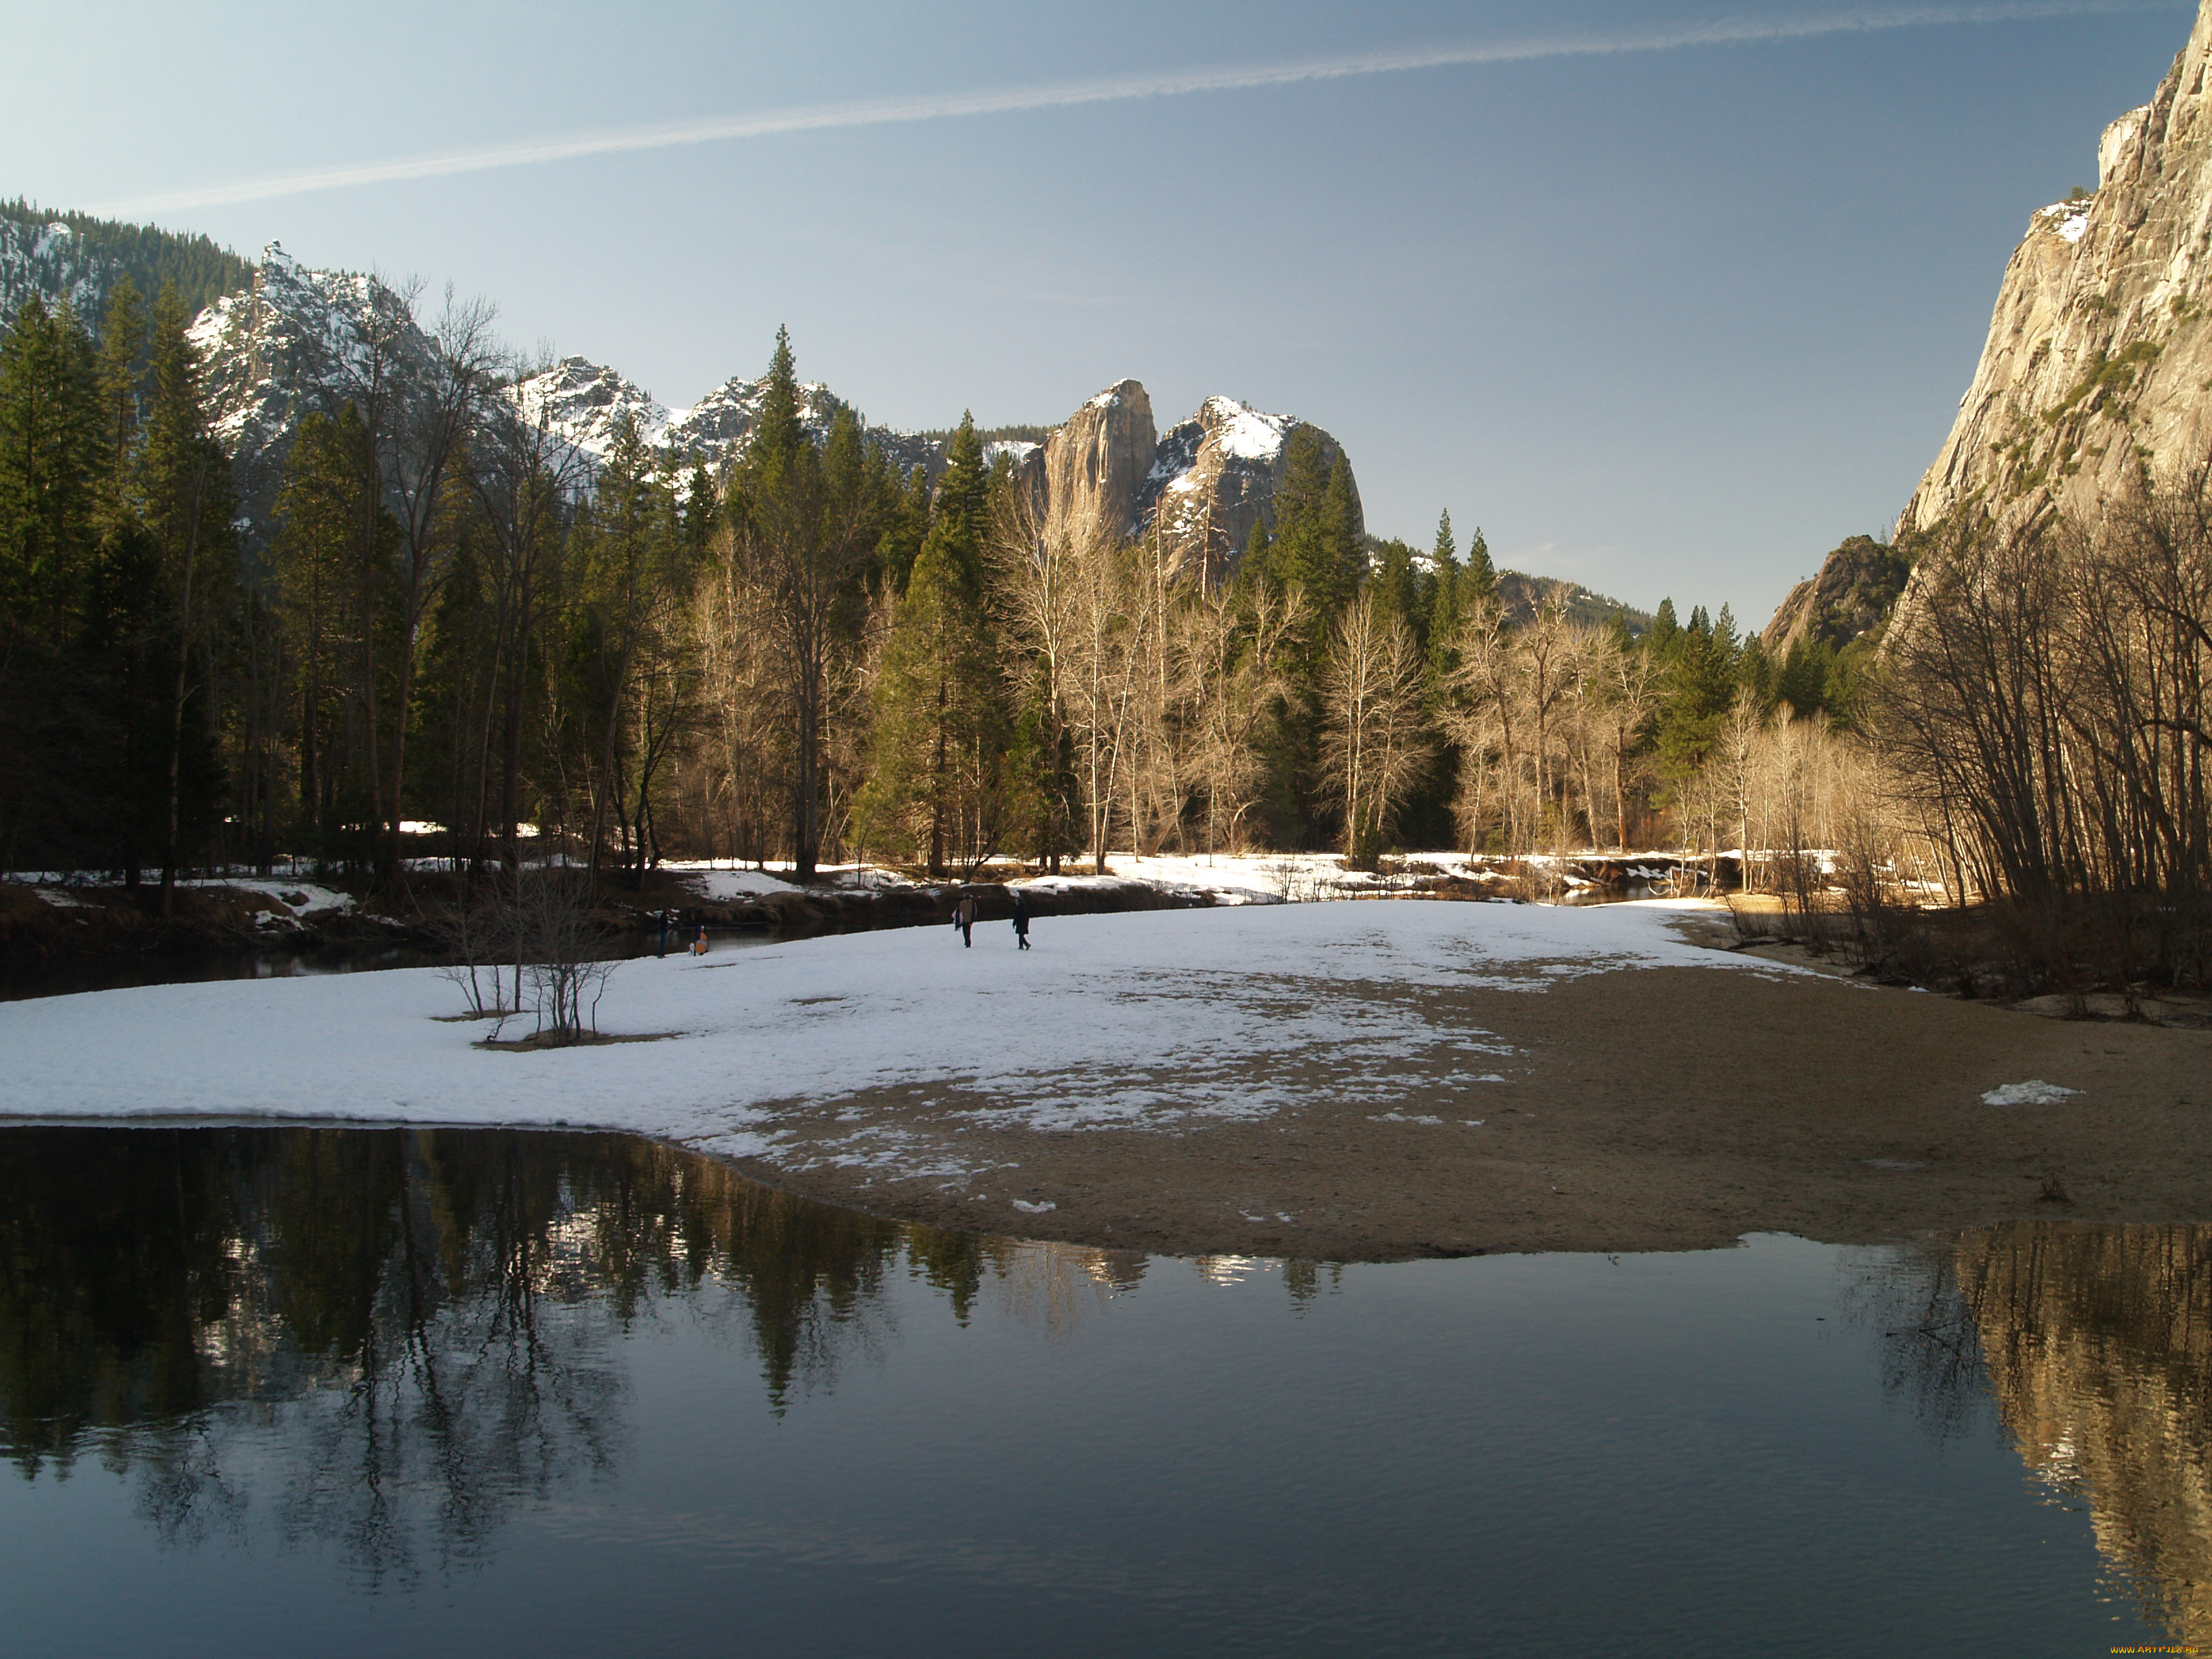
[
  {"x": 1195, "y": 493},
  {"x": 2097, "y": 368},
  {"x": 2099, "y": 361}
]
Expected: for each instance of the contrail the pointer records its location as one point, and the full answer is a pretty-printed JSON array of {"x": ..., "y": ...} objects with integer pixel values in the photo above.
[{"x": 1068, "y": 94}]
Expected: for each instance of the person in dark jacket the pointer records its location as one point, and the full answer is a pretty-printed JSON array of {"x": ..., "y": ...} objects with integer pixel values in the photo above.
[
  {"x": 1021, "y": 922},
  {"x": 964, "y": 918}
]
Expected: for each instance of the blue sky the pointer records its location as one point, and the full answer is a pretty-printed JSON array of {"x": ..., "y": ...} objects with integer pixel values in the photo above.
[{"x": 1663, "y": 319}]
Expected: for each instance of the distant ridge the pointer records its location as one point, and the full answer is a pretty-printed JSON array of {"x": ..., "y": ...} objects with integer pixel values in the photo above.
[{"x": 75, "y": 255}]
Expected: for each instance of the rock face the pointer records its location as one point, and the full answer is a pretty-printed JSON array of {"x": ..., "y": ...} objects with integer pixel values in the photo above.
[
  {"x": 1852, "y": 595},
  {"x": 2099, "y": 354},
  {"x": 1094, "y": 466},
  {"x": 1214, "y": 478},
  {"x": 1197, "y": 492},
  {"x": 296, "y": 342}
]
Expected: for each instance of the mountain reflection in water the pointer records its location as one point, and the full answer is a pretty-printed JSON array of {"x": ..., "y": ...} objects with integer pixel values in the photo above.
[
  {"x": 437, "y": 1309},
  {"x": 2095, "y": 1343}
]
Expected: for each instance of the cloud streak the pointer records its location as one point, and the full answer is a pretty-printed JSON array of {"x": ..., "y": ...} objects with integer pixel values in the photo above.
[{"x": 1073, "y": 95}]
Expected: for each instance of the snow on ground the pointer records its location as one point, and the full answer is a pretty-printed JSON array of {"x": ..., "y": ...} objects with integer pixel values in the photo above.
[
  {"x": 725, "y": 886},
  {"x": 1229, "y": 878},
  {"x": 2033, "y": 1092},
  {"x": 719, "y": 882},
  {"x": 1142, "y": 1020},
  {"x": 298, "y": 897}
]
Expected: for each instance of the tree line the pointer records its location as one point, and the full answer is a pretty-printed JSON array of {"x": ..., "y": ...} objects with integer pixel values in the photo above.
[{"x": 803, "y": 655}]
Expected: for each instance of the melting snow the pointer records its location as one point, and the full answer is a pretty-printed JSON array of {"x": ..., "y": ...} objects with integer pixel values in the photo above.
[
  {"x": 1148, "y": 1020},
  {"x": 2070, "y": 219},
  {"x": 2033, "y": 1092}
]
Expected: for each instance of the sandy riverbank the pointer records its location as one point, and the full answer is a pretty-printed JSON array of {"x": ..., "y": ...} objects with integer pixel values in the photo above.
[{"x": 1649, "y": 1109}]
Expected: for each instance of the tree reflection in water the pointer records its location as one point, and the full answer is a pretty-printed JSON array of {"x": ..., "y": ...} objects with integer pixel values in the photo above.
[
  {"x": 431, "y": 1317},
  {"x": 2095, "y": 1344}
]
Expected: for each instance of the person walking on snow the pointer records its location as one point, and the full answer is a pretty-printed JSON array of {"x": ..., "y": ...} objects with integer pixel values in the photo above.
[
  {"x": 964, "y": 918},
  {"x": 1021, "y": 922}
]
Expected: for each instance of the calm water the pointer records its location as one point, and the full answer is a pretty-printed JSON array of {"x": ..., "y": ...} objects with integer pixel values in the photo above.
[
  {"x": 355, "y": 1392},
  {"x": 71, "y": 974}
]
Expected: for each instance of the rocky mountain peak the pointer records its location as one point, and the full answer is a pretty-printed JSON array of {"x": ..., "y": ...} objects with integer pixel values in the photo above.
[
  {"x": 294, "y": 341},
  {"x": 1095, "y": 465},
  {"x": 1212, "y": 479},
  {"x": 585, "y": 403},
  {"x": 1193, "y": 495}
]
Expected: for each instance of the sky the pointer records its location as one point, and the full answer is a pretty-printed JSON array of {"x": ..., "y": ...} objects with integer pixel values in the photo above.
[{"x": 1669, "y": 298}]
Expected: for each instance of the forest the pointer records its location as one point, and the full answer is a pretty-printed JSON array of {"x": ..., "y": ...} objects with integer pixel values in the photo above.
[
  {"x": 462, "y": 620},
  {"x": 803, "y": 656}
]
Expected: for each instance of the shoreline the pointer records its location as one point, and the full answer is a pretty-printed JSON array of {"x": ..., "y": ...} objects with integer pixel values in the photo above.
[
  {"x": 1625, "y": 1134},
  {"x": 1320, "y": 1082}
]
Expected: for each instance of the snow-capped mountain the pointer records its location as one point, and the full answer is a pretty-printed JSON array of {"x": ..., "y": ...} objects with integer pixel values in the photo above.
[
  {"x": 585, "y": 404},
  {"x": 1196, "y": 493},
  {"x": 297, "y": 340}
]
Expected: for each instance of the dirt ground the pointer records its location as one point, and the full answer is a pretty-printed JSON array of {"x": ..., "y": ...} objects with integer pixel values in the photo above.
[{"x": 1639, "y": 1109}]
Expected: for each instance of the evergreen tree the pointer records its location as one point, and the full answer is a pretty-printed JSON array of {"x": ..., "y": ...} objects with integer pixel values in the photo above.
[
  {"x": 808, "y": 523},
  {"x": 904, "y": 529},
  {"x": 48, "y": 464},
  {"x": 1447, "y": 580},
  {"x": 1396, "y": 594},
  {"x": 633, "y": 677},
  {"x": 321, "y": 607},
  {"x": 190, "y": 509},
  {"x": 119, "y": 372},
  {"x": 937, "y": 771},
  {"x": 1480, "y": 586}
]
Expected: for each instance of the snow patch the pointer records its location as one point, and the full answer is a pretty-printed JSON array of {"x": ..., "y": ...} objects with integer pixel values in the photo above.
[
  {"x": 2033, "y": 1092},
  {"x": 2070, "y": 220},
  {"x": 1241, "y": 433}
]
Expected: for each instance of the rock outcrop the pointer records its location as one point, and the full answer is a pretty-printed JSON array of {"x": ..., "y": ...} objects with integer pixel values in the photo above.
[
  {"x": 1214, "y": 477},
  {"x": 1852, "y": 595},
  {"x": 1195, "y": 493},
  {"x": 295, "y": 341},
  {"x": 2098, "y": 361},
  {"x": 1093, "y": 467}
]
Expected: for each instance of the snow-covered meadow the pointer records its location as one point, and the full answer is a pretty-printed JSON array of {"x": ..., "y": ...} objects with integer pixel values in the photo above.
[{"x": 1137, "y": 1019}]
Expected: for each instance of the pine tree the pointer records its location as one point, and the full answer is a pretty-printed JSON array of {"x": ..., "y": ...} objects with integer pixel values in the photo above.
[
  {"x": 48, "y": 463},
  {"x": 120, "y": 374},
  {"x": 808, "y": 523},
  {"x": 1479, "y": 583},
  {"x": 319, "y": 609},
  {"x": 1446, "y": 584},
  {"x": 190, "y": 505},
  {"x": 778, "y": 436},
  {"x": 937, "y": 770},
  {"x": 904, "y": 529}
]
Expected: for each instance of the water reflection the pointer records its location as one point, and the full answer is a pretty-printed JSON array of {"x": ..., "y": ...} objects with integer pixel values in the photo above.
[
  {"x": 2095, "y": 1344},
  {"x": 414, "y": 1351},
  {"x": 435, "y": 1314}
]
